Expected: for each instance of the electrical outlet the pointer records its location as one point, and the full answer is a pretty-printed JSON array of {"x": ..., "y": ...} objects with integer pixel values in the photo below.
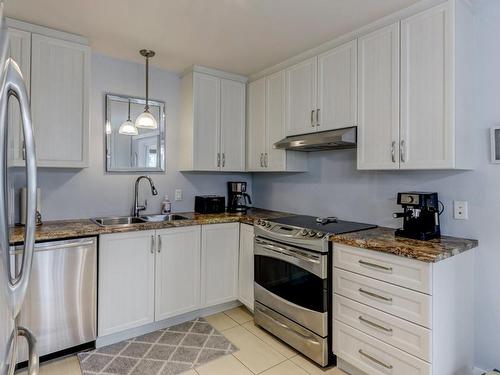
[
  {"x": 178, "y": 194},
  {"x": 461, "y": 210}
]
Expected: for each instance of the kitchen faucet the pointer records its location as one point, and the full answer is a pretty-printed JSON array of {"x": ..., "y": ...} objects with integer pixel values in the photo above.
[{"x": 136, "y": 209}]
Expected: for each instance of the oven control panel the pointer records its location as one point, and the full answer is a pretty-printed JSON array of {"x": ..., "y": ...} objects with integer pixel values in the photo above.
[{"x": 290, "y": 231}]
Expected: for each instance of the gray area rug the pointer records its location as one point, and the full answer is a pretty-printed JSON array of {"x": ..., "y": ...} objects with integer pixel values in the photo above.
[{"x": 165, "y": 352}]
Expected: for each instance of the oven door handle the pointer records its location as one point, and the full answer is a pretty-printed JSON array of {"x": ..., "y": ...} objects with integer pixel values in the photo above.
[
  {"x": 286, "y": 251},
  {"x": 284, "y": 326}
]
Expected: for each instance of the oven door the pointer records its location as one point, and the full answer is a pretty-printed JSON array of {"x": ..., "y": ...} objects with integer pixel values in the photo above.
[{"x": 293, "y": 282}]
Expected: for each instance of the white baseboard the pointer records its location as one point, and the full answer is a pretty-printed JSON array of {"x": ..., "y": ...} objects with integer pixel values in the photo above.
[{"x": 151, "y": 327}]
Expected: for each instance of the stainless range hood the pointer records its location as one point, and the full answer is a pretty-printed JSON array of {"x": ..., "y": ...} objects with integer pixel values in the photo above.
[{"x": 328, "y": 140}]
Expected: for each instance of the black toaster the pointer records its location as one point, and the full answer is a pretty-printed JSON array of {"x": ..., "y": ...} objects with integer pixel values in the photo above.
[{"x": 209, "y": 204}]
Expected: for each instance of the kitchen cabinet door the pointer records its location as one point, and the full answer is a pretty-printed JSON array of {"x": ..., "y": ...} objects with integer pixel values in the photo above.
[
  {"x": 177, "y": 273},
  {"x": 300, "y": 97},
  {"x": 337, "y": 87},
  {"x": 427, "y": 119},
  {"x": 378, "y": 107},
  {"x": 245, "y": 283},
  {"x": 275, "y": 160},
  {"x": 60, "y": 80},
  {"x": 232, "y": 125},
  {"x": 256, "y": 125},
  {"x": 219, "y": 263},
  {"x": 126, "y": 281},
  {"x": 20, "y": 52},
  {"x": 206, "y": 148}
]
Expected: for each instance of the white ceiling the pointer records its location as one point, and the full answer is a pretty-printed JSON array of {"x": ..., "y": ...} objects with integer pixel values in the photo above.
[{"x": 240, "y": 36}]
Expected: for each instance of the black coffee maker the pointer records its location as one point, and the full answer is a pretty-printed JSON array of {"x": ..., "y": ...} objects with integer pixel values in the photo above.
[
  {"x": 237, "y": 197},
  {"x": 420, "y": 215}
]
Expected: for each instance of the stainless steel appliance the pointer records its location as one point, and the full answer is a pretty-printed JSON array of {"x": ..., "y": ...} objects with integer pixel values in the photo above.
[
  {"x": 293, "y": 288},
  {"x": 60, "y": 306},
  {"x": 420, "y": 215},
  {"x": 337, "y": 139},
  {"x": 14, "y": 286},
  {"x": 237, "y": 197}
]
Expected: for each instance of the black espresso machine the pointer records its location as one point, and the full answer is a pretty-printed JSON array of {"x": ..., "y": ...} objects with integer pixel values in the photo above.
[
  {"x": 237, "y": 197},
  {"x": 420, "y": 215}
]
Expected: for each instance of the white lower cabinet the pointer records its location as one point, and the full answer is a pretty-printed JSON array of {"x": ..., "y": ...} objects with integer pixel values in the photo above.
[
  {"x": 219, "y": 263},
  {"x": 177, "y": 273},
  {"x": 126, "y": 281},
  {"x": 389, "y": 318},
  {"x": 246, "y": 269}
]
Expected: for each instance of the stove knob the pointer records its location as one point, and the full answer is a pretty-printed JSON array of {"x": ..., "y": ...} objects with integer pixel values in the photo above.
[
  {"x": 268, "y": 224},
  {"x": 320, "y": 234},
  {"x": 303, "y": 232},
  {"x": 311, "y": 233}
]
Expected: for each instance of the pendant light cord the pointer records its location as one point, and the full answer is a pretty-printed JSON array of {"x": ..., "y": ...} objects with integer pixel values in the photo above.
[{"x": 147, "y": 83}]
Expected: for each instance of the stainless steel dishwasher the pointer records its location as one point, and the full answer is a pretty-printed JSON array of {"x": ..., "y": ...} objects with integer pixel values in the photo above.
[{"x": 60, "y": 307}]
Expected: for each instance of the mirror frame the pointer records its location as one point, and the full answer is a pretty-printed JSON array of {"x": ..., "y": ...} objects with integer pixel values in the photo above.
[{"x": 161, "y": 129}]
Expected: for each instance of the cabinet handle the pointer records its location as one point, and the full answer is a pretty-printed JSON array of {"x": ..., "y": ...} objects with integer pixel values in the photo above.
[
  {"x": 223, "y": 159},
  {"x": 159, "y": 243},
  {"x": 373, "y": 324},
  {"x": 369, "y": 264},
  {"x": 152, "y": 244},
  {"x": 317, "y": 117},
  {"x": 312, "y": 118},
  {"x": 402, "y": 151},
  {"x": 374, "y": 295},
  {"x": 218, "y": 159},
  {"x": 261, "y": 160},
  {"x": 373, "y": 359},
  {"x": 393, "y": 151},
  {"x": 265, "y": 160}
]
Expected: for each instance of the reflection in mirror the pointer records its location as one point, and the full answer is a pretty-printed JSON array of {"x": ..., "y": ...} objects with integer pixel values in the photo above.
[{"x": 134, "y": 153}]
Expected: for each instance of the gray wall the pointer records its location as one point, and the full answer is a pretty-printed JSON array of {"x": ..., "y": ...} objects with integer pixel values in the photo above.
[
  {"x": 334, "y": 187},
  {"x": 91, "y": 191}
]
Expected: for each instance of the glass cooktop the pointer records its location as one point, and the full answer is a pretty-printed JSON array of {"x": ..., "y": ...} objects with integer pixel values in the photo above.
[{"x": 328, "y": 225}]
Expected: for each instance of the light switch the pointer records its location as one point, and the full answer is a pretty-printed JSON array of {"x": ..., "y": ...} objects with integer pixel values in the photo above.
[
  {"x": 178, "y": 194},
  {"x": 461, "y": 210}
]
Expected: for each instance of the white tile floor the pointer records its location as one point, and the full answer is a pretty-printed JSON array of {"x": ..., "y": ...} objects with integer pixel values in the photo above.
[{"x": 259, "y": 353}]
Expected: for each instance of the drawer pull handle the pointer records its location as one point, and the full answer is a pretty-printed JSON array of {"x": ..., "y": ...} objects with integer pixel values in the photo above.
[
  {"x": 364, "y": 320},
  {"x": 373, "y": 359},
  {"x": 374, "y": 295},
  {"x": 378, "y": 266}
]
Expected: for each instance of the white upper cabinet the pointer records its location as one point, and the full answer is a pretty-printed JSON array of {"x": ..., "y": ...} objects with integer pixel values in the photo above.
[
  {"x": 427, "y": 127},
  {"x": 337, "y": 88},
  {"x": 177, "y": 273},
  {"x": 378, "y": 105},
  {"x": 20, "y": 52},
  {"x": 256, "y": 125},
  {"x": 300, "y": 96},
  {"x": 212, "y": 121},
  {"x": 232, "y": 125},
  {"x": 60, "y": 101},
  {"x": 266, "y": 126}
]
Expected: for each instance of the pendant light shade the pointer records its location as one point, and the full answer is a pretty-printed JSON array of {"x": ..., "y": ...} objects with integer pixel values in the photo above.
[
  {"x": 128, "y": 127},
  {"x": 146, "y": 119}
]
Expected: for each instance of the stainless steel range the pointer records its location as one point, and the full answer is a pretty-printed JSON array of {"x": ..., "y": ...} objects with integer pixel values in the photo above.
[{"x": 293, "y": 291}]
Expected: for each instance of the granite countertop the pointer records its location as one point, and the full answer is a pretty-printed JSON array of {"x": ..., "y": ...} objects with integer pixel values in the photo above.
[
  {"x": 61, "y": 229},
  {"x": 383, "y": 240}
]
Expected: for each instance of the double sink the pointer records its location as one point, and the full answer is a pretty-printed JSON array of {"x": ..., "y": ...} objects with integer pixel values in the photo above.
[{"x": 132, "y": 220}]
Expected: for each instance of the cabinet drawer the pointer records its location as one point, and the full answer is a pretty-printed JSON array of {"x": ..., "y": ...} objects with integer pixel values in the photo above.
[
  {"x": 372, "y": 356},
  {"x": 408, "y": 273},
  {"x": 404, "y": 335},
  {"x": 404, "y": 303}
]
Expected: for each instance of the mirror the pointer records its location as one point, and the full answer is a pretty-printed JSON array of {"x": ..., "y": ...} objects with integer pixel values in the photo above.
[{"x": 144, "y": 152}]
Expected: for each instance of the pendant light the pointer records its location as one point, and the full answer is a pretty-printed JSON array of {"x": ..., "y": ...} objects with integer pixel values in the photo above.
[
  {"x": 146, "y": 119},
  {"x": 128, "y": 127}
]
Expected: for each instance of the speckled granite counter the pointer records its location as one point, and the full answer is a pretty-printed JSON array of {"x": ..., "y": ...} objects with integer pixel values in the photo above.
[
  {"x": 383, "y": 240},
  {"x": 60, "y": 229}
]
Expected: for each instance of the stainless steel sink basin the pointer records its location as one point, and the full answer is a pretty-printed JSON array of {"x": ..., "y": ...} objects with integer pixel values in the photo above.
[
  {"x": 162, "y": 218},
  {"x": 117, "y": 220},
  {"x": 131, "y": 220}
]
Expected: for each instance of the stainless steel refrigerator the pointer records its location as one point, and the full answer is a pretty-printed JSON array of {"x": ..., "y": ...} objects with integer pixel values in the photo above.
[{"x": 14, "y": 283}]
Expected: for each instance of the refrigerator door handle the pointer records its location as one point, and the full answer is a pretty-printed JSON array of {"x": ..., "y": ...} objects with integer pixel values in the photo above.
[
  {"x": 15, "y": 86},
  {"x": 33, "y": 361}
]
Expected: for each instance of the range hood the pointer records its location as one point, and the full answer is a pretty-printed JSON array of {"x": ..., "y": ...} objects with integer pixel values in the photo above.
[{"x": 328, "y": 140}]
